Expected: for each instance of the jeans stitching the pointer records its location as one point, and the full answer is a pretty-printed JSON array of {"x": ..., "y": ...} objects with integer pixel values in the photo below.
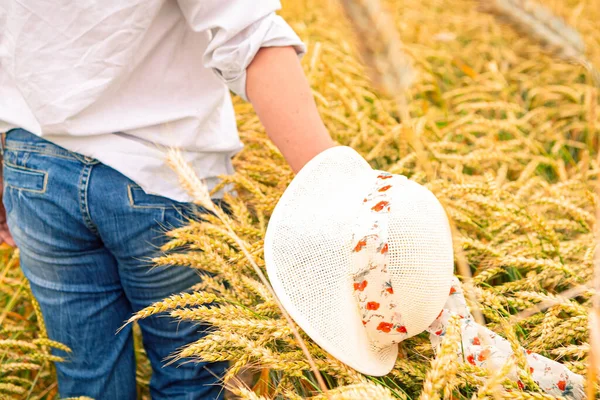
[
  {"x": 83, "y": 198},
  {"x": 40, "y": 148},
  {"x": 135, "y": 205}
]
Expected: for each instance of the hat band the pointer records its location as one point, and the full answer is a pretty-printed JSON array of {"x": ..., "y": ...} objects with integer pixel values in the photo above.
[{"x": 372, "y": 283}]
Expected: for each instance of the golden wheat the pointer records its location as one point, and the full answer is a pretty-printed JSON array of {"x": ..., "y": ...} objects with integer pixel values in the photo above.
[
  {"x": 510, "y": 136},
  {"x": 524, "y": 213}
]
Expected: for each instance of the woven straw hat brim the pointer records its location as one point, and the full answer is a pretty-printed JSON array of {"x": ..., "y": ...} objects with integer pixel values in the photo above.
[{"x": 307, "y": 252}]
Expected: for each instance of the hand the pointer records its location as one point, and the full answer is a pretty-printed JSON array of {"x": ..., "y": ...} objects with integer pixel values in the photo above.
[{"x": 5, "y": 235}]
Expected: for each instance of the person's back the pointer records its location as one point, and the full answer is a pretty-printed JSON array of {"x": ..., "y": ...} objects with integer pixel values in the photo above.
[
  {"x": 113, "y": 77},
  {"x": 92, "y": 94},
  {"x": 61, "y": 59}
]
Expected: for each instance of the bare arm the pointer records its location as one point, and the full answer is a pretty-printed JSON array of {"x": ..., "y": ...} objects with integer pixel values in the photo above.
[{"x": 282, "y": 98}]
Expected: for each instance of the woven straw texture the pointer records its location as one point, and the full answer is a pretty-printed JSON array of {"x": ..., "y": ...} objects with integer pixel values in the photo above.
[{"x": 308, "y": 250}]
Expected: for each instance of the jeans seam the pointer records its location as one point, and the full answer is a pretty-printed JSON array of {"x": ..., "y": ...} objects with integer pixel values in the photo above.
[{"x": 84, "y": 180}]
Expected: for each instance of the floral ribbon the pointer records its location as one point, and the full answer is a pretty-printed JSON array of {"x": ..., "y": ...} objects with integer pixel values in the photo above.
[
  {"x": 373, "y": 289},
  {"x": 374, "y": 294},
  {"x": 483, "y": 348}
]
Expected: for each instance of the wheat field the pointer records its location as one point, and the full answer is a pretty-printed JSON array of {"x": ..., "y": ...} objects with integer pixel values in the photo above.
[{"x": 508, "y": 138}]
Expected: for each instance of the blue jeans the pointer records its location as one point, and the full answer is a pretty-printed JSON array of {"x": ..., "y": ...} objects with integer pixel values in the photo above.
[{"x": 86, "y": 234}]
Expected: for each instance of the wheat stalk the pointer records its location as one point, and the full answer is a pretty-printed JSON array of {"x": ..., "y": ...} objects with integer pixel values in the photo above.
[
  {"x": 445, "y": 364},
  {"x": 559, "y": 299},
  {"x": 380, "y": 46},
  {"x": 199, "y": 192},
  {"x": 360, "y": 391},
  {"x": 541, "y": 25},
  {"x": 389, "y": 67},
  {"x": 493, "y": 384}
]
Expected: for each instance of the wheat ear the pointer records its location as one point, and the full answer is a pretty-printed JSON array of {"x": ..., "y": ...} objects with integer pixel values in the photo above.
[
  {"x": 594, "y": 317},
  {"x": 389, "y": 67},
  {"x": 560, "y": 298},
  {"x": 199, "y": 192},
  {"x": 547, "y": 29},
  {"x": 380, "y": 47}
]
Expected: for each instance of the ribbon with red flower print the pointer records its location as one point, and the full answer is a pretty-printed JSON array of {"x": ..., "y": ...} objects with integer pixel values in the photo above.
[
  {"x": 374, "y": 294},
  {"x": 486, "y": 349},
  {"x": 373, "y": 289}
]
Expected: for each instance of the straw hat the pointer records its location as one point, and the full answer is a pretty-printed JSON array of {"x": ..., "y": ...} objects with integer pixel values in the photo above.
[{"x": 361, "y": 259}]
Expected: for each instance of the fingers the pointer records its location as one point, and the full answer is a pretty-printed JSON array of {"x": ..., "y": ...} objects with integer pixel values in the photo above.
[{"x": 5, "y": 235}]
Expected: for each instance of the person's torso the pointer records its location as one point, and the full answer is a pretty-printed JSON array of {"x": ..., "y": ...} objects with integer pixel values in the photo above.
[{"x": 127, "y": 74}]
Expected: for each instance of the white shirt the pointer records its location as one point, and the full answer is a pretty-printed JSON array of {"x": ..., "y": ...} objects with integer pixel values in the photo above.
[{"x": 124, "y": 80}]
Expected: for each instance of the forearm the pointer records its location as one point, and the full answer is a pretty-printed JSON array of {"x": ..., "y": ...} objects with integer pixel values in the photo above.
[{"x": 282, "y": 99}]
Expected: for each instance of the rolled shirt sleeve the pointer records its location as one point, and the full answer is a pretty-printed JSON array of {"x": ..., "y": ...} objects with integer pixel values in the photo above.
[{"x": 237, "y": 30}]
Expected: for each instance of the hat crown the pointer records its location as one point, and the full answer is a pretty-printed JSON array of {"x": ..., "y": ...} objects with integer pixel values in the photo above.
[
  {"x": 421, "y": 259},
  {"x": 400, "y": 259}
]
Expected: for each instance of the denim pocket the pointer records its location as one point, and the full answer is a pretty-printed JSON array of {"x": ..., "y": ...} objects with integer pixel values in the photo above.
[
  {"x": 27, "y": 179},
  {"x": 140, "y": 199}
]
